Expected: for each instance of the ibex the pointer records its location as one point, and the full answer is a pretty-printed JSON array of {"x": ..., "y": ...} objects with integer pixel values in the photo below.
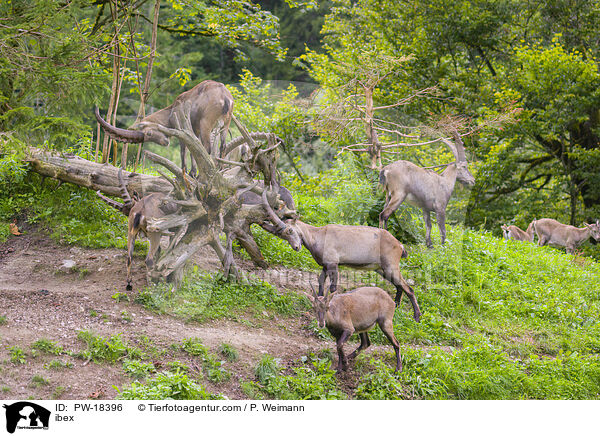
[
  {"x": 359, "y": 247},
  {"x": 552, "y": 232},
  {"x": 206, "y": 104},
  {"x": 515, "y": 233},
  {"x": 425, "y": 189},
  {"x": 356, "y": 311},
  {"x": 139, "y": 211}
]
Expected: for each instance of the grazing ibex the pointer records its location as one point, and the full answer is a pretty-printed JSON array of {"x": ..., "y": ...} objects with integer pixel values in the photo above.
[
  {"x": 356, "y": 311},
  {"x": 139, "y": 211},
  {"x": 425, "y": 189},
  {"x": 515, "y": 233},
  {"x": 359, "y": 247},
  {"x": 552, "y": 232},
  {"x": 206, "y": 104}
]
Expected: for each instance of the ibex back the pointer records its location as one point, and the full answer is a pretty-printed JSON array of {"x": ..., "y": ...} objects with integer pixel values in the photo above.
[
  {"x": 552, "y": 232},
  {"x": 359, "y": 247},
  {"x": 206, "y": 104}
]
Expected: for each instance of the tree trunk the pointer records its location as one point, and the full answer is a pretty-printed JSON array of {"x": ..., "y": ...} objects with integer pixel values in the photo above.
[{"x": 199, "y": 209}]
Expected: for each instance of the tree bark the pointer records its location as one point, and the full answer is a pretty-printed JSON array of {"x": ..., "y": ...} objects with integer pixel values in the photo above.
[{"x": 205, "y": 206}]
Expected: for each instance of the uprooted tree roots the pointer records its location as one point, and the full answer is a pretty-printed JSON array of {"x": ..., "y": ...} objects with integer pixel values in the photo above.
[{"x": 200, "y": 208}]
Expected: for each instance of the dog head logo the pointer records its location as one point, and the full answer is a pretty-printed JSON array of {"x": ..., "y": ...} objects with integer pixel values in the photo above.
[{"x": 26, "y": 415}]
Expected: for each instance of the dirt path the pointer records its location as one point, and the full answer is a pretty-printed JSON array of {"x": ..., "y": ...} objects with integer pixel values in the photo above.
[{"x": 39, "y": 300}]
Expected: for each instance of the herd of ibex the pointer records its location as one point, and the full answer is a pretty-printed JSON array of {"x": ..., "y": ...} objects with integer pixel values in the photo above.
[
  {"x": 552, "y": 232},
  {"x": 209, "y": 105}
]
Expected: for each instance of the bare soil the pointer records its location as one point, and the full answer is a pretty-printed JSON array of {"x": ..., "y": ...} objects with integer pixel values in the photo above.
[{"x": 42, "y": 299}]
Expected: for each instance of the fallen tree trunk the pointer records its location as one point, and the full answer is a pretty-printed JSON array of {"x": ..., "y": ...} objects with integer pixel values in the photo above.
[
  {"x": 92, "y": 175},
  {"x": 207, "y": 205}
]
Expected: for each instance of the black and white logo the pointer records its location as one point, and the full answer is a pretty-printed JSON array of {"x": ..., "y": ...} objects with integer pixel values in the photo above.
[{"x": 26, "y": 415}]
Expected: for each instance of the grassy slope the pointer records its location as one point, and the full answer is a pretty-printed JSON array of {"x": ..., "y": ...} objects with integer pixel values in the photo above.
[{"x": 500, "y": 319}]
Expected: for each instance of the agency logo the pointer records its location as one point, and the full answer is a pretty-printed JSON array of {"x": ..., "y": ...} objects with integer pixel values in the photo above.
[{"x": 26, "y": 415}]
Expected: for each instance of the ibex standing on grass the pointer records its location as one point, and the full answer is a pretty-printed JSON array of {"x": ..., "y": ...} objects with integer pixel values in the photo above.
[
  {"x": 425, "y": 189},
  {"x": 206, "y": 104},
  {"x": 356, "y": 311},
  {"x": 552, "y": 232},
  {"x": 359, "y": 247},
  {"x": 515, "y": 233}
]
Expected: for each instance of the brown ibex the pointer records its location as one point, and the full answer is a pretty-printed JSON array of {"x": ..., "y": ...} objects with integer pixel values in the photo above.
[
  {"x": 356, "y": 311},
  {"x": 359, "y": 247},
  {"x": 425, "y": 189},
  {"x": 206, "y": 104},
  {"x": 515, "y": 233},
  {"x": 139, "y": 210},
  {"x": 552, "y": 232}
]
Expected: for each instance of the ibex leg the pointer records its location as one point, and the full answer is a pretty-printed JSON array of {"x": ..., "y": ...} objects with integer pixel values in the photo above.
[
  {"x": 393, "y": 202},
  {"x": 342, "y": 360},
  {"x": 364, "y": 344},
  {"x": 388, "y": 330},
  {"x": 322, "y": 278},
  {"x": 441, "y": 222},
  {"x": 427, "y": 219}
]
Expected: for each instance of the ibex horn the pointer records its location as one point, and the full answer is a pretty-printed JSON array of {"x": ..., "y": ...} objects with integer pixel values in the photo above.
[
  {"x": 276, "y": 220},
  {"x": 118, "y": 134}
]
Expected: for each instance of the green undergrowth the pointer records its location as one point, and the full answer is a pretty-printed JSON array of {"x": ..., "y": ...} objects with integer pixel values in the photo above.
[
  {"x": 277, "y": 251},
  {"x": 112, "y": 349},
  {"x": 166, "y": 386},
  {"x": 314, "y": 379},
  {"x": 478, "y": 373},
  {"x": 203, "y": 297}
]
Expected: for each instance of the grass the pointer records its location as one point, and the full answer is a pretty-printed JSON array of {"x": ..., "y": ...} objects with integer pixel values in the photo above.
[
  {"x": 17, "y": 355},
  {"x": 37, "y": 381},
  {"x": 138, "y": 369},
  {"x": 106, "y": 349},
  {"x": 229, "y": 352},
  {"x": 212, "y": 367},
  {"x": 313, "y": 380},
  {"x": 47, "y": 346},
  {"x": 166, "y": 386},
  {"x": 202, "y": 297}
]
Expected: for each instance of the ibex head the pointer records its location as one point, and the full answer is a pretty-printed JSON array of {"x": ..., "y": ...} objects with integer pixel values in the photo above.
[
  {"x": 285, "y": 230},
  {"x": 463, "y": 175},
  {"x": 151, "y": 133},
  {"x": 320, "y": 304},
  {"x": 139, "y": 132},
  {"x": 594, "y": 229}
]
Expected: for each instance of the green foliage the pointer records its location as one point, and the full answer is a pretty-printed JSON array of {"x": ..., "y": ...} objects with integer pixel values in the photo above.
[
  {"x": 315, "y": 381},
  {"x": 266, "y": 368},
  {"x": 109, "y": 349},
  {"x": 45, "y": 87},
  {"x": 138, "y": 369},
  {"x": 3, "y": 319},
  {"x": 229, "y": 352},
  {"x": 58, "y": 365},
  {"x": 202, "y": 297},
  {"x": 73, "y": 215},
  {"x": 17, "y": 355},
  {"x": 120, "y": 296},
  {"x": 48, "y": 346},
  {"x": 212, "y": 367},
  {"x": 166, "y": 386},
  {"x": 37, "y": 381}
]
